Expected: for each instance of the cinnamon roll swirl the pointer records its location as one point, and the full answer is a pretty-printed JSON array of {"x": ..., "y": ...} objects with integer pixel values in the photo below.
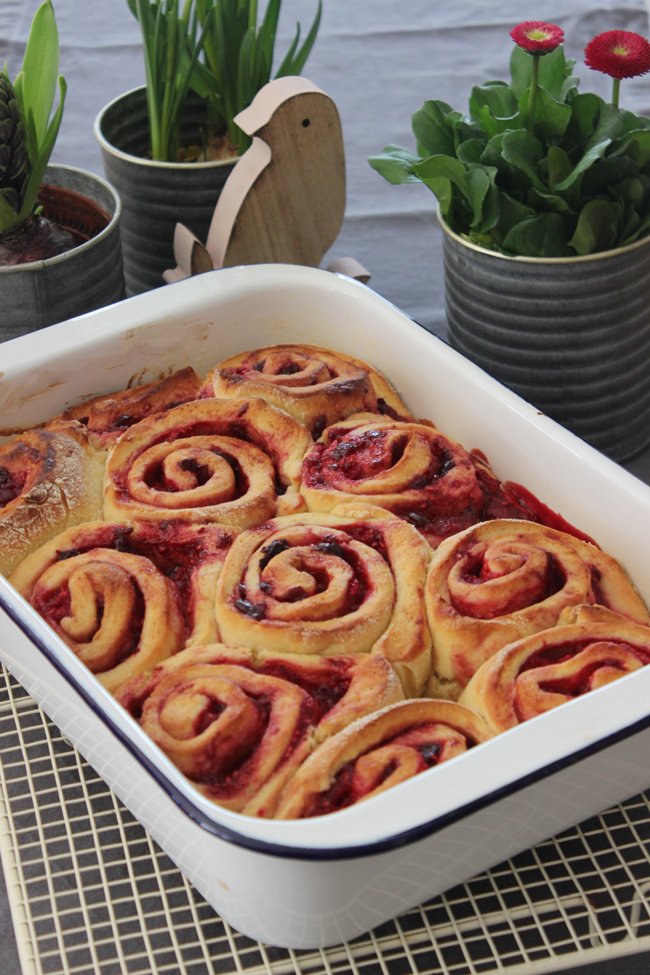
[
  {"x": 126, "y": 596},
  {"x": 238, "y": 722},
  {"x": 348, "y": 582},
  {"x": 409, "y": 468},
  {"x": 542, "y": 671},
  {"x": 107, "y": 416},
  {"x": 316, "y": 386},
  {"x": 227, "y": 461},
  {"x": 49, "y": 480},
  {"x": 504, "y": 579},
  {"x": 378, "y": 752}
]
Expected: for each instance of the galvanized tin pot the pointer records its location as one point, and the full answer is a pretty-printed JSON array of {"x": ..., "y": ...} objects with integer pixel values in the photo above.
[
  {"x": 570, "y": 335},
  {"x": 80, "y": 280},
  {"x": 155, "y": 195}
]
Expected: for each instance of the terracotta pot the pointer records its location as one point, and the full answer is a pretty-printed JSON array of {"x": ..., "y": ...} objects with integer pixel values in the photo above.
[
  {"x": 155, "y": 195},
  {"x": 570, "y": 335},
  {"x": 83, "y": 278}
]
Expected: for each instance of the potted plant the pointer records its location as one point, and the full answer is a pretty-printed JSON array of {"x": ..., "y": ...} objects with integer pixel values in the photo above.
[
  {"x": 59, "y": 242},
  {"x": 544, "y": 201},
  {"x": 169, "y": 146}
]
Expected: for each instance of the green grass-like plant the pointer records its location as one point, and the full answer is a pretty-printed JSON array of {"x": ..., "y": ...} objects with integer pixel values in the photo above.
[
  {"x": 172, "y": 43},
  {"x": 238, "y": 58}
]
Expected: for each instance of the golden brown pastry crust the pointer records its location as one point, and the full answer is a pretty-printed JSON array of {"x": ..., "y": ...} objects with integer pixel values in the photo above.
[
  {"x": 316, "y": 386},
  {"x": 504, "y": 579},
  {"x": 348, "y": 582},
  {"x": 590, "y": 647},
  {"x": 239, "y": 722},
  {"x": 226, "y": 461},
  {"x": 106, "y": 417},
  {"x": 125, "y": 596},
  {"x": 377, "y": 752},
  {"x": 49, "y": 480}
]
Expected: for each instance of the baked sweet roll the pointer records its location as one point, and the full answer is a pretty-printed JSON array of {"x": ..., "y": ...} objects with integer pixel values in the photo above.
[
  {"x": 589, "y": 648},
  {"x": 238, "y": 722},
  {"x": 126, "y": 596},
  {"x": 348, "y": 582},
  {"x": 48, "y": 481},
  {"x": 409, "y": 468},
  {"x": 227, "y": 461},
  {"x": 107, "y": 416},
  {"x": 505, "y": 579},
  {"x": 316, "y": 386},
  {"x": 378, "y": 752}
]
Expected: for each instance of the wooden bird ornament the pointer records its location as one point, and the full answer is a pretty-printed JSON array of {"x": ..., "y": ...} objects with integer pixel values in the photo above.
[{"x": 285, "y": 198}]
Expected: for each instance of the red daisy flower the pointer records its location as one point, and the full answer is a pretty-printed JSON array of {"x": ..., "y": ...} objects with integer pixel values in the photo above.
[
  {"x": 537, "y": 37},
  {"x": 618, "y": 53}
]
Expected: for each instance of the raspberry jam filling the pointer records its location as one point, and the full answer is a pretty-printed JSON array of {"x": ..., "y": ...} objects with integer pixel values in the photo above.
[
  {"x": 344, "y": 792},
  {"x": 547, "y": 656},
  {"x": 55, "y": 605},
  {"x": 326, "y": 685},
  {"x": 476, "y": 571},
  {"x": 254, "y": 608},
  {"x": 234, "y": 782}
]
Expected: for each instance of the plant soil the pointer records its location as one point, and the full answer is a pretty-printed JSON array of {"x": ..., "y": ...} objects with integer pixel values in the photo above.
[
  {"x": 36, "y": 240},
  {"x": 68, "y": 220}
]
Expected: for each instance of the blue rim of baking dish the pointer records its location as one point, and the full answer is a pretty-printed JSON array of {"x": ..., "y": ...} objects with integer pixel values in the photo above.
[{"x": 230, "y": 835}]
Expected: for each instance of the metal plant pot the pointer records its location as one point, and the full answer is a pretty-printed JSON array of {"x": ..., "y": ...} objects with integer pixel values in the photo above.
[
  {"x": 570, "y": 335},
  {"x": 155, "y": 195},
  {"x": 80, "y": 280}
]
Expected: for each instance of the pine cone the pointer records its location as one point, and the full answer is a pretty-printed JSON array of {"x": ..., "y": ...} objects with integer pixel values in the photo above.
[{"x": 13, "y": 151}]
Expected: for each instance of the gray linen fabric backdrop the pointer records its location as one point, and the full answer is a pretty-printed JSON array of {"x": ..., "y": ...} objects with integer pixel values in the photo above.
[{"x": 379, "y": 60}]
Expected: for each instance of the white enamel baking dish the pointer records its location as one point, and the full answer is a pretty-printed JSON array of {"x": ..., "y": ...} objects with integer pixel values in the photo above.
[{"x": 317, "y": 882}]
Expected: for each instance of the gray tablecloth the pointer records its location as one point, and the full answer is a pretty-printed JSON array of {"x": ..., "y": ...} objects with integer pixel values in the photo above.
[{"x": 379, "y": 60}]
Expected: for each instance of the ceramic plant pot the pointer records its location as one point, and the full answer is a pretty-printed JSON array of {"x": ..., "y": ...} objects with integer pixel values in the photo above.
[
  {"x": 570, "y": 335},
  {"x": 155, "y": 195},
  {"x": 86, "y": 277}
]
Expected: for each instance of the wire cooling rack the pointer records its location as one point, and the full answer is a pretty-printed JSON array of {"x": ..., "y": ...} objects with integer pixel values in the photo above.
[{"x": 92, "y": 894}]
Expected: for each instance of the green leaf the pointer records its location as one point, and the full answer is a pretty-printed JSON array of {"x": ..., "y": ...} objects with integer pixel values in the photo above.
[
  {"x": 293, "y": 63},
  {"x": 478, "y": 185},
  {"x": 511, "y": 212},
  {"x": 492, "y": 125},
  {"x": 440, "y": 174},
  {"x": 543, "y": 236},
  {"x": 8, "y": 216},
  {"x": 554, "y": 73},
  {"x": 596, "y": 228},
  {"x": 395, "y": 164},
  {"x": 636, "y": 146},
  {"x": 37, "y": 81},
  {"x": 558, "y": 165},
  {"x": 589, "y": 158},
  {"x": 551, "y": 116},
  {"x": 543, "y": 201},
  {"x": 470, "y": 151},
  {"x": 523, "y": 151},
  {"x": 45, "y": 150},
  {"x": 585, "y": 113},
  {"x": 433, "y": 130},
  {"x": 496, "y": 96}
]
